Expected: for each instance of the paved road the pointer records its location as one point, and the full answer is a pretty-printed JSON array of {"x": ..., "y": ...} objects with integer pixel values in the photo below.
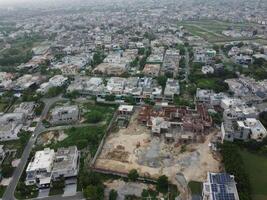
[
  {"x": 9, "y": 193},
  {"x": 78, "y": 196}
]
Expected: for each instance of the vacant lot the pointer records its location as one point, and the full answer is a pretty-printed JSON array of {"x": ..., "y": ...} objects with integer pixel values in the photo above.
[
  {"x": 256, "y": 166},
  {"x": 82, "y": 137},
  {"x": 211, "y": 30},
  {"x": 134, "y": 148},
  {"x": 95, "y": 113}
]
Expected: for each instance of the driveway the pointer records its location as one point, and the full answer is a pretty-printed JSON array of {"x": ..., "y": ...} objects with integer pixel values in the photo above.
[
  {"x": 43, "y": 193},
  {"x": 70, "y": 188}
]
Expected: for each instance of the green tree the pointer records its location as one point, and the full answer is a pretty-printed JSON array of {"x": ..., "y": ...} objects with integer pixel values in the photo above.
[
  {"x": 133, "y": 175},
  {"x": 92, "y": 192},
  {"x": 113, "y": 195},
  {"x": 94, "y": 117},
  {"x": 110, "y": 97},
  {"x": 98, "y": 58},
  {"x": 90, "y": 178},
  {"x": 263, "y": 118},
  {"x": 162, "y": 184},
  {"x": 54, "y": 91},
  {"x": 130, "y": 100},
  {"x": 162, "y": 81},
  {"x": 234, "y": 165},
  {"x": 7, "y": 170}
]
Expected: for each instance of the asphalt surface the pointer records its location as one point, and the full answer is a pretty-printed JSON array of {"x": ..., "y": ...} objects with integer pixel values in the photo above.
[
  {"x": 10, "y": 190},
  {"x": 78, "y": 196}
]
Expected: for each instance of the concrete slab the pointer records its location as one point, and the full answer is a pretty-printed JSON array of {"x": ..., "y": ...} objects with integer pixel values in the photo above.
[
  {"x": 70, "y": 190},
  {"x": 43, "y": 193}
]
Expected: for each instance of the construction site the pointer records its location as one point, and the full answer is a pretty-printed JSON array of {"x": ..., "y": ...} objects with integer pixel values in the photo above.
[{"x": 137, "y": 147}]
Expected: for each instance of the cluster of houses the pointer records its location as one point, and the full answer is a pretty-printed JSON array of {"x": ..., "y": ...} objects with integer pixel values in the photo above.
[
  {"x": 47, "y": 166},
  {"x": 203, "y": 55},
  {"x": 12, "y": 123},
  {"x": 248, "y": 89},
  {"x": 116, "y": 63},
  {"x": 138, "y": 88},
  {"x": 245, "y": 54},
  {"x": 240, "y": 120},
  {"x": 55, "y": 81}
]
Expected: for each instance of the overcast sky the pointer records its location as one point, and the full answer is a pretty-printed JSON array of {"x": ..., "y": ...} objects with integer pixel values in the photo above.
[{"x": 13, "y": 2}]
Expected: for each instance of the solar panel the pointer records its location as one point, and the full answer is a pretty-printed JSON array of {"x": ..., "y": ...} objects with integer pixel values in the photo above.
[
  {"x": 214, "y": 188},
  {"x": 225, "y": 196},
  {"x": 222, "y": 189},
  {"x": 221, "y": 178}
]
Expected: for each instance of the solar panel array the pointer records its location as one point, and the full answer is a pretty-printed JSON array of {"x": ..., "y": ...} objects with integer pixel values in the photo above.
[
  {"x": 225, "y": 196},
  {"x": 219, "y": 188},
  {"x": 214, "y": 188},
  {"x": 221, "y": 178}
]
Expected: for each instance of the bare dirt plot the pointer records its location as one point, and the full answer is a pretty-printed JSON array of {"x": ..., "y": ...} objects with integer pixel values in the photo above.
[
  {"x": 134, "y": 148},
  {"x": 126, "y": 188},
  {"x": 51, "y": 136}
]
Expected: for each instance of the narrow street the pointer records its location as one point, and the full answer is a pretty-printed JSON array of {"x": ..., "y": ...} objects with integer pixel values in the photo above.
[{"x": 10, "y": 190}]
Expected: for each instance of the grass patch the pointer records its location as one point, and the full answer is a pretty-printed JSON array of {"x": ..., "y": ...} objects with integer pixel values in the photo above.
[
  {"x": 96, "y": 113},
  {"x": 55, "y": 191},
  {"x": 82, "y": 137},
  {"x": 195, "y": 187},
  {"x": 2, "y": 106},
  {"x": 255, "y": 166},
  {"x": 211, "y": 30},
  {"x": 215, "y": 84},
  {"x": 2, "y": 191},
  {"x": 26, "y": 192}
]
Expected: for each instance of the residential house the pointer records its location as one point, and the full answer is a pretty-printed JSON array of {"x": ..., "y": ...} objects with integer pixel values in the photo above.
[
  {"x": 39, "y": 169},
  {"x": 10, "y": 125},
  {"x": 65, "y": 114},
  {"x": 66, "y": 163}
]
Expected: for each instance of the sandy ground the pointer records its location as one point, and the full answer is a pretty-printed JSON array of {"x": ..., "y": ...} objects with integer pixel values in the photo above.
[
  {"x": 5, "y": 181},
  {"x": 50, "y": 136},
  {"x": 134, "y": 148}
]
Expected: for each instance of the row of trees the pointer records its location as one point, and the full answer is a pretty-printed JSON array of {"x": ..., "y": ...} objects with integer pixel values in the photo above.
[
  {"x": 98, "y": 58},
  {"x": 162, "y": 182},
  {"x": 94, "y": 188}
]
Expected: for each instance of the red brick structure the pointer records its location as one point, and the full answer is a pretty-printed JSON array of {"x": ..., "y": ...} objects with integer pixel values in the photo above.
[{"x": 191, "y": 120}]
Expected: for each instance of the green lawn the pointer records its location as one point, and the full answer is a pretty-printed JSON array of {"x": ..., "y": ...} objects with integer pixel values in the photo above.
[
  {"x": 256, "y": 167},
  {"x": 211, "y": 30},
  {"x": 2, "y": 107},
  {"x": 2, "y": 190},
  {"x": 195, "y": 187}
]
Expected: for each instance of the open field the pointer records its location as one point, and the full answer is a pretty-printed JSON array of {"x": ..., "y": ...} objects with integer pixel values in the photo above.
[
  {"x": 255, "y": 167},
  {"x": 134, "y": 148},
  {"x": 211, "y": 30}
]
